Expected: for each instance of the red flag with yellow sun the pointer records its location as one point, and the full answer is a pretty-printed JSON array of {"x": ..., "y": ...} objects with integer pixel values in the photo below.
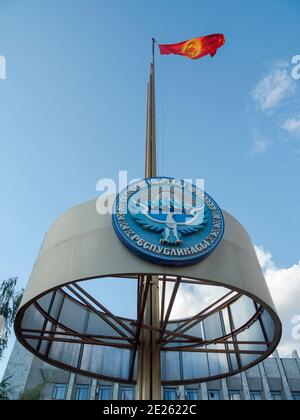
[{"x": 195, "y": 48}]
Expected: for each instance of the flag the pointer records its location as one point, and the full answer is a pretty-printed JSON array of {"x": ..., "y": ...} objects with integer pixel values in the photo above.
[{"x": 195, "y": 48}]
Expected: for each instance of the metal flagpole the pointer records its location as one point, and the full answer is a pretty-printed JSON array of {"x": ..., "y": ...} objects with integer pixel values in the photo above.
[
  {"x": 150, "y": 156},
  {"x": 149, "y": 379}
]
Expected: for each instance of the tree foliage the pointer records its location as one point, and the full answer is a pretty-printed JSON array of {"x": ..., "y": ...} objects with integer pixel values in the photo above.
[
  {"x": 5, "y": 390},
  {"x": 33, "y": 394},
  {"x": 10, "y": 300}
]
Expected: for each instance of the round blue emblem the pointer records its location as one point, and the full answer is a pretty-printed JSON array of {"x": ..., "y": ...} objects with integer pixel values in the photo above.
[{"x": 168, "y": 221}]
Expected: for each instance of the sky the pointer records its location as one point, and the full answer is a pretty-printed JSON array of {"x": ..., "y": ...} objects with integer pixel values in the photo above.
[{"x": 72, "y": 111}]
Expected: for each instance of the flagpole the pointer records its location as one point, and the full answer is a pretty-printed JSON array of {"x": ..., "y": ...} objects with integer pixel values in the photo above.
[
  {"x": 150, "y": 156},
  {"x": 149, "y": 375},
  {"x": 153, "y": 50}
]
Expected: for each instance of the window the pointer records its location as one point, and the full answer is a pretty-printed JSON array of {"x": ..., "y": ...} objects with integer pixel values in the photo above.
[
  {"x": 276, "y": 396},
  {"x": 59, "y": 392},
  {"x": 127, "y": 393},
  {"x": 82, "y": 392},
  {"x": 192, "y": 394},
  {"x": 235, "y": 396},
  {"x": 170, "y": 394},
  {"x": 256, "y": 396},
  {"x": 214, "y": 395},
  {"x": 296, "y": 396},
  {"x": 105, "y": 392}
]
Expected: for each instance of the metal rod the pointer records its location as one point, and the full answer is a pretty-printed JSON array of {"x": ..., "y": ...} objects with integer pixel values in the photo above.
[
  {"x": 144, "y": 290},
  {"x": 163, "y": 298},
  {"x": 74, "y": 341},
  {"x": 235, "y": 345},
  {"x": 103, "y": 308},
  {"x": 101, "y": 315},
  {"x": 187, "y": 325},
  {"x": 170, "y": 307},
  {"x": 58, "y": 324},
  {"x": 149, "y": 380},
  {"x": 208, "y": 350},
  {"x": 73, "y": 334}
]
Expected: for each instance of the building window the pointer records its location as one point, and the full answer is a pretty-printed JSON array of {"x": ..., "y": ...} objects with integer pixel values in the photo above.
[
  {"x": 105, "y": 392},
  {"x": 256, "y": 396},
  {"x": 170, "y": 394},
  {"x": 127, "y": 393},
  {"x": 296, "y": 396},
  {"x": 214, "y": 395},
  {"x": 59, "y": 392},
  {"x": 82, "y": 392},
  {"x": 276, "y": 396},
  {"x": 192, "y": 394},
  {"x": 235, "y": 396}
]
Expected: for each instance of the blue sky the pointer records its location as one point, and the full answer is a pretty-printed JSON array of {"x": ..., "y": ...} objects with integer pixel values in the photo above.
[{"x": 72, "y": 111}]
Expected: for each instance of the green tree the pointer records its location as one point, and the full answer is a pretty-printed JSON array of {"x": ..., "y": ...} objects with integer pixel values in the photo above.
[
  {"x": 10, "y": 300},
  {"x": 5, "y": 390},
  {"x": 33, "y": 394}
]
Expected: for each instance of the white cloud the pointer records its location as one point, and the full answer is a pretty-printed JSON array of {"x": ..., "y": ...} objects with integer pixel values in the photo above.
[
  {"x": 191, "y": 299},
  {"x": 292, "y": 125},
  {"x": 261, "y": 143},
  {"x": 284, "y": 284},
  {"x": 275, "y": 87},
  {"x": 264, "y": 257}
]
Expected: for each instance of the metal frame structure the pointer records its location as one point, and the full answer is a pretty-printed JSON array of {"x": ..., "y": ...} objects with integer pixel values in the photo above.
[{"x": 173, "y": 335}]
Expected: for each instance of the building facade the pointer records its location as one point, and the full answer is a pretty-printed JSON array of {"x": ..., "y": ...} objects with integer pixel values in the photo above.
[{"x": 274, "y": 379}]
